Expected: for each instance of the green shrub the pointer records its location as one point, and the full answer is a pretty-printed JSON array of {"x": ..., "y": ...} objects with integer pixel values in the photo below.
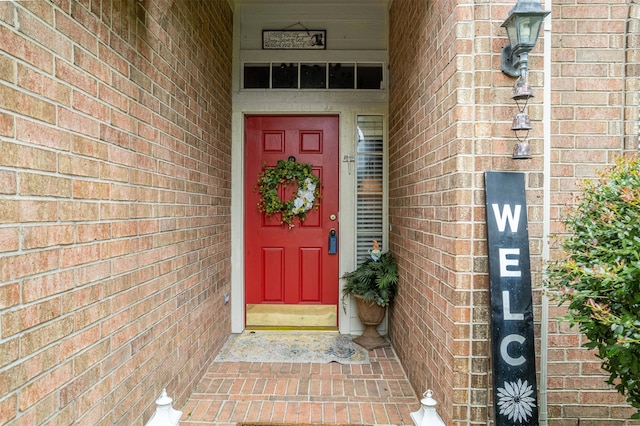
[{"x": 600, "y": 275}]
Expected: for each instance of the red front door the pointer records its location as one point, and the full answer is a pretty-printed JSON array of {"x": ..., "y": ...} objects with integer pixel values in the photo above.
[{"x": 291, "y": 265}]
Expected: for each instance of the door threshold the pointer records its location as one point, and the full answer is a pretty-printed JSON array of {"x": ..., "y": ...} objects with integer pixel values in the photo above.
[
  {"x": 289, "y": 328},
  {"x": 278, "y": 316}
]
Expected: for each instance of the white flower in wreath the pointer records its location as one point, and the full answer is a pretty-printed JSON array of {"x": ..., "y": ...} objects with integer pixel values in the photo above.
[
  {"x": 303, "y": 202},
  {"x": 515, "y": 401},
  {"x": 298, "y": 205},
  {"x": 311, "y": 187},
  {"x": 308, "y": 197}
]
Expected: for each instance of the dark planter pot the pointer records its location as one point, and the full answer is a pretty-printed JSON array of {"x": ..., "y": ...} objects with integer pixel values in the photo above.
[{"x": 370, "y": 315}]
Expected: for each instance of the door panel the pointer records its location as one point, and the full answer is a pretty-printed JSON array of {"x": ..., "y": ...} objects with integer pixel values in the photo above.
[
  {"x": 286, "y": 265},
  {"x": 310, "y": 271},
  {"x": 273, "y": 273}
]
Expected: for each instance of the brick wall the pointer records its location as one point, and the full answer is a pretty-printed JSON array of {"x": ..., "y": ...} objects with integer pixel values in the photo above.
[
  {"x": 431, "y": 178},
  {"x": 451, "y": 111},
  {"x": 594, "y": 112},
  {"x": 114, "y": 205}
]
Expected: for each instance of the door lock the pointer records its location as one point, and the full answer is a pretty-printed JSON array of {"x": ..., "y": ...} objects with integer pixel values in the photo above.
[
  {"x": 333, "y": 241},
  {"x": 333, "y": 217}
]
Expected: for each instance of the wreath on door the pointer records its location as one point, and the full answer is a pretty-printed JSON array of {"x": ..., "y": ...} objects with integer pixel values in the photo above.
[{"x": 288, "y": 172}]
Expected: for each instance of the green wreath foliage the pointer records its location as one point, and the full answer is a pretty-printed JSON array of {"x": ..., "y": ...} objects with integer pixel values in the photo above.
[
  {"x": 599, "y": 278},
  {"x": 288, "y": 172}
]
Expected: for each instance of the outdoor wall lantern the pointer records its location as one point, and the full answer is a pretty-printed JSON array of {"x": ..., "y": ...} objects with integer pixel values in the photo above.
[{"x": 523, "y": 28}]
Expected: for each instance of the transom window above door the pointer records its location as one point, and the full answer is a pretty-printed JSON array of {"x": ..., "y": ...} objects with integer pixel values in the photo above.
[{"x": 313, "y": 75}]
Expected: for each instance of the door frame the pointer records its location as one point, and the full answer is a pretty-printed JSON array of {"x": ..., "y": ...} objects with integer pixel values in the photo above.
[{"x": 347, "y": 106}]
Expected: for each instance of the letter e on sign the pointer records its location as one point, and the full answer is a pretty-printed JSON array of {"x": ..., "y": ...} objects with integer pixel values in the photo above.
[{"x": 505, "y": 262}]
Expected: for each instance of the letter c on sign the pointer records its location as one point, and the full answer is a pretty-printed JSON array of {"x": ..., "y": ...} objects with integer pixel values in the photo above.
[{"x": 505, "y": 354}]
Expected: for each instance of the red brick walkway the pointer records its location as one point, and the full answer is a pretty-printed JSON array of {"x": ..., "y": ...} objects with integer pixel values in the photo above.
[{"x": 231, "y": 392}]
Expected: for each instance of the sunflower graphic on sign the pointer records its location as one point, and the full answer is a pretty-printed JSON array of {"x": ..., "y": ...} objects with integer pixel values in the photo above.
[{"x": 515, "y": 401}]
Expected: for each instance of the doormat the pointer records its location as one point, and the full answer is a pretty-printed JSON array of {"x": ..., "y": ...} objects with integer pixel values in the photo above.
[{"x": 298, "y": 347}]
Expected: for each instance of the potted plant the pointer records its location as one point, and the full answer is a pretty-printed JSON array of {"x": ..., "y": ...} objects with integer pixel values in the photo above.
[{"x": 373, "y": 285}]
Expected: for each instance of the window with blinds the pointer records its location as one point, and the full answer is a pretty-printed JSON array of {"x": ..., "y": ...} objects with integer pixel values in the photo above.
[{"x": 370, "y": 184}]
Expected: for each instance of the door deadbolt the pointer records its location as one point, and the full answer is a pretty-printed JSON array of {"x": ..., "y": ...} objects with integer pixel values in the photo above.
[{"x": 333, "y": 241}]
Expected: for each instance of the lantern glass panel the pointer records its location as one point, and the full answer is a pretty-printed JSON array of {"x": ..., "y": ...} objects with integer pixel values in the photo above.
[{"x": 512, "y": 30}]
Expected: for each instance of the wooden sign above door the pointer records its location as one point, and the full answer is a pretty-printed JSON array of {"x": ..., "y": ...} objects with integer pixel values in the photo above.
[{"x": 294, "y": 39}]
